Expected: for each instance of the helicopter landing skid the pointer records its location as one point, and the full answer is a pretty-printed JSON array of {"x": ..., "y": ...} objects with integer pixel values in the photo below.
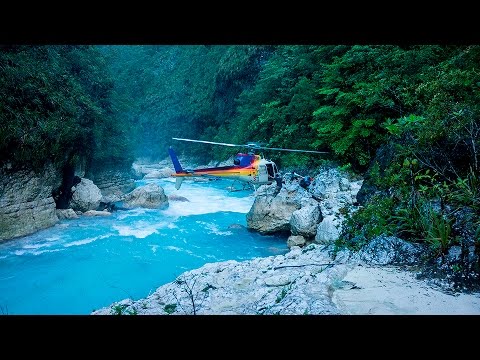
[{"x": 245, "y": 186}]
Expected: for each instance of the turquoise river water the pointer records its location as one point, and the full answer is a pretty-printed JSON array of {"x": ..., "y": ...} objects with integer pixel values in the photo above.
[{"x": 81, "y": 265}]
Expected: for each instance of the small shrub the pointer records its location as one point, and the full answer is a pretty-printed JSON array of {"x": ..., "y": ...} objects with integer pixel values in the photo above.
[
  {"x": 170, "y": 308},
  {"x": 118, "y": 309},
  {"x": 282, "y": 294}
]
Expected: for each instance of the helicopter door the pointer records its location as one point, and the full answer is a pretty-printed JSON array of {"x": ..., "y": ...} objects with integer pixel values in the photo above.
[
  {"x": 270, "y": 171},
  {"x": 262, "y": 174}
]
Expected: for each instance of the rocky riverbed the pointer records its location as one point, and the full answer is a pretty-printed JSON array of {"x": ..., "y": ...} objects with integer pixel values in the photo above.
[{"x": 311, "y": 280}]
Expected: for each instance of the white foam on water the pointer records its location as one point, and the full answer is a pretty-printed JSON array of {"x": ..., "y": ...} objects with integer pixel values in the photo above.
[
  {"x": 36, "y": 246},
  {"x": 203, "y": 199},
  {"x": 131, "y": 213},
  {"x": 154, "y": 248},
  {"x": 53, "y": 238},
  {"x": 140, "y": 229},
  {"x": 86, "y": 241},
  {"x": 45, "y": 251},
  {"x": 172, "y": 248},
  {"x": 213, "y": 228}
]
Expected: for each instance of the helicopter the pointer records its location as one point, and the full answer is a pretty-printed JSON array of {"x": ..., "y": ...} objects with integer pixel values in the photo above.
[{"x": 249, "y": 168}]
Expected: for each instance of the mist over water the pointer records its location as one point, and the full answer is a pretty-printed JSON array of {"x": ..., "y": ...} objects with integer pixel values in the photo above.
[{"x": 81, "y": 265}]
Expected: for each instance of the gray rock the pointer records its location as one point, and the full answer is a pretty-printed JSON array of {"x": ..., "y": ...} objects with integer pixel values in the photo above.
[
  {"x": 454, "y": 254},
  {"x": 277, "y": 280},
  {"x": 390, "y": 250},
  {"x": 159, "y": 174},
  {"x": 96, "y": 213},
  {"x": 66, "y": 214},
  {"x": 305, "y": 220},
  {"x": 26, "y": 203},
  {"x": 327, "y": 231},
  {"x": 174, "y": 197},
  {"x": 295, "y": 240},
  {"x": 151, "y": 196},
  {"x": 344, "y": 184},
  {"x": 270, "y": 214},
  {"x": 113, "y": 184},
  {"x": 86, "y": 196}
]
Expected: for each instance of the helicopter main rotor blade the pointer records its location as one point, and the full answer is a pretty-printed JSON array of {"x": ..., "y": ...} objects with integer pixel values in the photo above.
[
  {"x": 251, "y": 146},
  {"x": 293, "y": 150},
  {"x": 209, "y": 142}
]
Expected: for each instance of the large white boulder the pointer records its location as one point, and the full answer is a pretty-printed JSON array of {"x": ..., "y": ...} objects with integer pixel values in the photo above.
[
  {"x": 86, "y": 196},
  {"x": 151, "y": 196},
  {"x": 328, "y": 230},
  {"x": 305, "y": 220}
]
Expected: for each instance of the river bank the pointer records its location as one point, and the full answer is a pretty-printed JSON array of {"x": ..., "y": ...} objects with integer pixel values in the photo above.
[{"x": 308, "y": 281}]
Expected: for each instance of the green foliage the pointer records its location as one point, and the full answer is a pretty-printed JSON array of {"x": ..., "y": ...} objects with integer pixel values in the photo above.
[
  {"x": 439, "y": 233},
  {"x": 121, "y": 309},
  {"x": 170, "y": 308},
  {"x": 368, "y": 222},
  {"x": 283, "y": 293},
  {"x": 56, "y": 104},
  {"x": 465, "y": 191}
]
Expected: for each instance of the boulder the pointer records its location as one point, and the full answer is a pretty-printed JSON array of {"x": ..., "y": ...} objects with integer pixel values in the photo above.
[
  {"x": 327, "y": 230},
  {"x": 159, "y": 174},
  {"x": 113, "y": 184},
  {"x": 271, "y": 214},
  {"x": 174, "y": 197},
  {"x": 305, "y": 220},
  {"x": 296, "y": 240},
  {"x": 151, "y": 196},
  {"x": 86, "y": 196},
  {"x": 66, "y": 214},
  {"x": 96, "y": 213},
  {"x": 390, "y": 250}
]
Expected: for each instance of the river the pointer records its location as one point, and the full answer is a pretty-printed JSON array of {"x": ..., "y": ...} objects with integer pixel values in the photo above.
[{"x": 80, "y": 265}]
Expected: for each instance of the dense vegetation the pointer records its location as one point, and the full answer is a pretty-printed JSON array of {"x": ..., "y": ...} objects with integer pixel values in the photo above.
[
  {"x": 57, "y": 105},
  {"x": 407, "y": 117}
]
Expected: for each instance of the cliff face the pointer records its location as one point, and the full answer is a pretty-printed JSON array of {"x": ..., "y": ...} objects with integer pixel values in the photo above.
[
  {"x": 113, "y": 183},
  {"x": 26, "y": 202}
]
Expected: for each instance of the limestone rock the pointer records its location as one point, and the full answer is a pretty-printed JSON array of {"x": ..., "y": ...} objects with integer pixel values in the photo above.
[
  {"x": 277, "y": 280},
  {"x": 151, "y": 196},
  {"x": 174, "y": 197},
  {"x": 113, "y": 184},
  {"x": 327, "y": 231},
  {"x": 96, "y": 213},
  {"x": 86, "y": 196},
  {"x": 305, "y": 220},
  {"x": 159, "y": 174},
  {"x": 26, "y": 202},
  {"x": 295, "y": 240},
  {"x": 390, "y": 250},
  {"x": 66, "y": 214}
]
